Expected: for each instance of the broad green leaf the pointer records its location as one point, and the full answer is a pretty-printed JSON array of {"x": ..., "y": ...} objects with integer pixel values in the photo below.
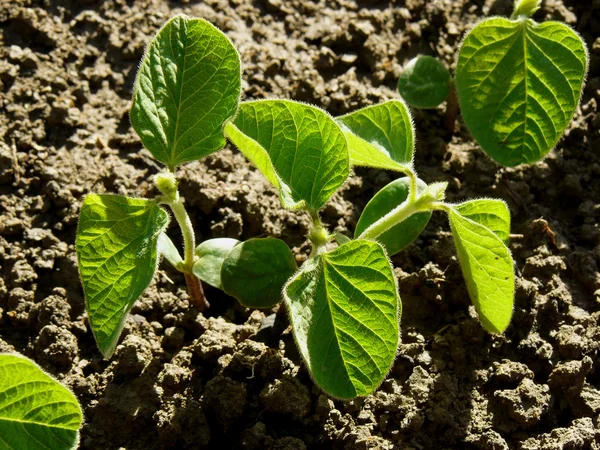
[
  {"x": 298, "y": 148},
  {"x": 380, "y": 136},
  {"x": 117, "y": 255},
  {"x": 36, "y": 411},
  {"x": 519, "y": 83},
  {"x": 187, "y": 87},
  {"x": 167, "y": 249},
  {"x": 344, "y": 308},
  {"x": 487, "y": 267},
  {"x": 255, "y": 271},
  {"x": 425, "y": 82},
  {"x": 211, "y": 255},
  {"x": 492, "y": 214},
  {"x": 399, "y": 236}
]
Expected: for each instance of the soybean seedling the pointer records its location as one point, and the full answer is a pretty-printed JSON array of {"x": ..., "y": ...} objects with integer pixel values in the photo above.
[
  {"x": 36, "y": 411},
  {"x": 518, "y": 83},
  {"x": 343, "y": 302},
  {"x": 187, "y": 88}
]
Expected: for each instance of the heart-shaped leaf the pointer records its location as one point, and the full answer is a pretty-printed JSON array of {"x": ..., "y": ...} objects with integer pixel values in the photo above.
[
  {"x": 492, "y": 214},
  {"x": 211, "y": 255},
  {"x": 487, "y": 267},
  {"x": 425, "y": 82},
  {"x": 519, "y": 83},
  {"x": 380, "y": 136},
  {"x": 117, "y": 255},
  {"x": 399, "y": 236},
  {"x": 344, "y": 308},
  {"x": 255, "y": 271},
  {"x": 36, "y": 411},
  {"x": 299, "y": 148},
  {"x": 188, "y": 86}
]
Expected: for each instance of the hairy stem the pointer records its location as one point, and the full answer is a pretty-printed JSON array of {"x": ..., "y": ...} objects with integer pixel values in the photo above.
[
  {"x": 167, "y": 185},
  {"x": 399, "y": 214},
  {"x": 318, "y": 235}
]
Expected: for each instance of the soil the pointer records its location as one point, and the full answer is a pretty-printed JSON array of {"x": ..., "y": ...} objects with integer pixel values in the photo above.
[{"x": 231, "y": 377}]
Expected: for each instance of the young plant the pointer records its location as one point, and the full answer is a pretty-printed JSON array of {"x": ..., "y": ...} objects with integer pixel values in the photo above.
[
  {"x": 343, "y": 302},
  {"x": 36, "y": 411},
  {"x": 187, "y": 87},
  {"x": 518, "y": 83}
]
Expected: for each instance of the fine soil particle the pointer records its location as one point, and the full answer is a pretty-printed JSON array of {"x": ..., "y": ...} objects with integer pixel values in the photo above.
[{"x": 233, "y": 378}]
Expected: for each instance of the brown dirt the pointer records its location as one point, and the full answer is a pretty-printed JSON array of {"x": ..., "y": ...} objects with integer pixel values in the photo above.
[{"x": 233, "y": 378}]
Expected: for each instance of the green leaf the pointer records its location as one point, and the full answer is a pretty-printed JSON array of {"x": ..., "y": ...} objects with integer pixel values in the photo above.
[
  {"x": 425, "y": 82},
  {"x": 255, "y": 271},
  {"x": 36, "y": 411},
  {"x": 298, "y": 148},
  {"x": 117, "y": 255},
  {"x": 344, "y": 308},
  {"x": 399, "y": 236},
  {"x": 167, "y": 249},
  {"x": 211, "y": 255},
  {"x": 488, "y": 270},
  {"x": 188, "y": 86},
  {"x": 492, "y": 214},
  {"x": 519, "y": 85},
  {"x": 380, "y": 136}
]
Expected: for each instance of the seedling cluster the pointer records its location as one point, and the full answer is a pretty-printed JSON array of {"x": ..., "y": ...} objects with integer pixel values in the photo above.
[
  {"x": 518, "y": 84},
  {"x": 343, "y": 302}
]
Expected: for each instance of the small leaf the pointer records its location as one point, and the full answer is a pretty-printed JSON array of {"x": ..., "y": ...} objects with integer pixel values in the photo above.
[
  {"x": 519, "y": 85},
  {"x": 425, "y": 82},
  {"x": 492, "y": 214},
  {"x": 525, "y": 8},
  {"x": 298, "y": 148},
  {"x": 344, "y": 308},
  {"x": 117, "y": 255},
  {"x": 488, "y": 270},
  {"x": 211, "y": 255},
  {"x": 255, "y": 271},
  {"x": 380, "y": 136},
  {"x": 341, "y": 238},
  {"x": 167, "y": 249},
  {"x": 399, "y": 236},
  {"x": 36, "y": 411},
  {"x": 188, "y": 86}
]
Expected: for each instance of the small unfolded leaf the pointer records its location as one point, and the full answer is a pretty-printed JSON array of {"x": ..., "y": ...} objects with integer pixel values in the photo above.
[
  {"x": 299, "y": 148},
  {"x": 188, "y": 86},
  {"x": 519, "y": 83},
  {"x": 425, "y": 82},
  {"x": 211, "y": 255},
  {"x": 344, "y": 308},
  {"x": 36, "y": 411},
  {"x": 117, "y": 255},
  {"x": 403, "y": 234},
  {"x": 255, "y": 271},
  {"x": 488, "y": 271},
  {"x": 380, "y": 136},
  {"x": 526, "y": 8},
  {"x": 167, "y": 249},
  {"x": 492, "y": 214},
  {"x": 341, "y": 238}
]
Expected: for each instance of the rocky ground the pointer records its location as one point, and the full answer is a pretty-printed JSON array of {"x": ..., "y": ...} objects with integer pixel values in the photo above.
[{"x": 232, "y": 378}]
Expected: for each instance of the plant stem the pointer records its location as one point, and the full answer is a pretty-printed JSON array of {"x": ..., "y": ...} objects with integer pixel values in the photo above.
[
  {"x": 394, "y": 217},
  {"x": 318, "y": 235},
  {"x": 427, "y": 201},
  {"x": 167, "y": 184}
]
